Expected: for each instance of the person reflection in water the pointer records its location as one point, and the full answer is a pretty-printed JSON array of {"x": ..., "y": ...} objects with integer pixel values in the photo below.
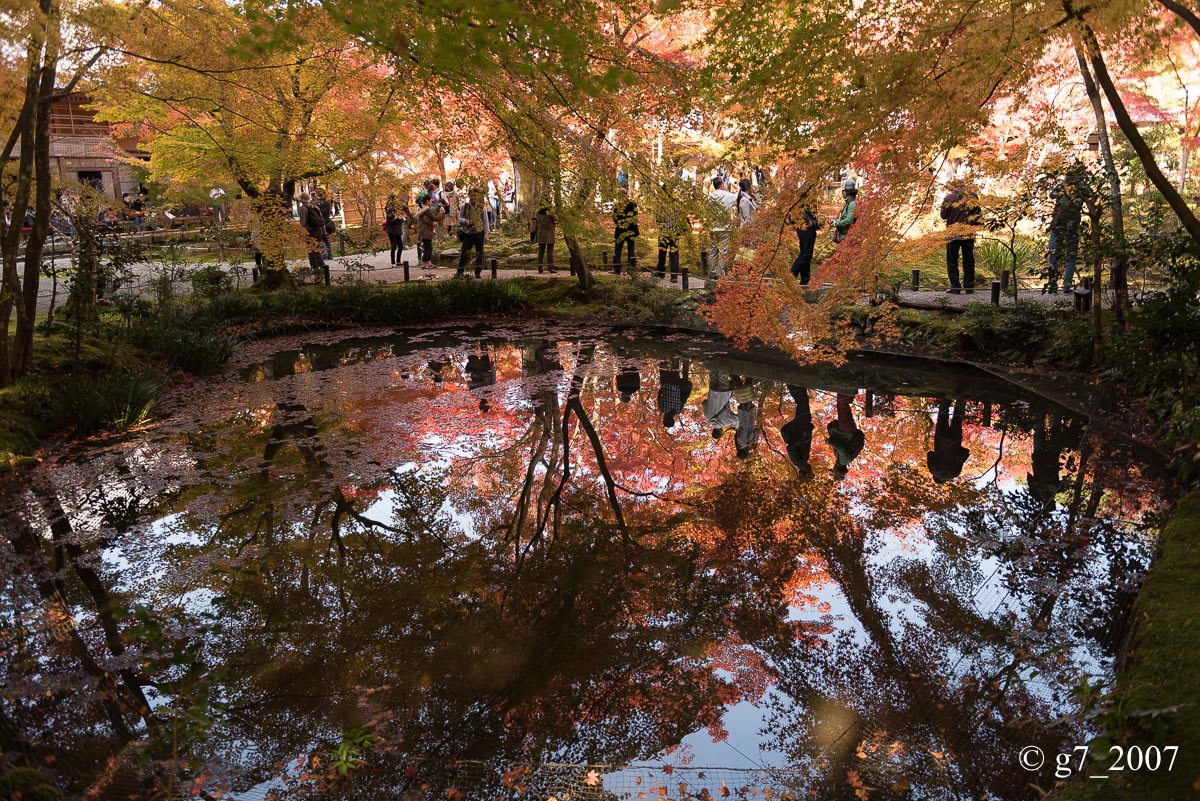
[
  {"x": 946, "y": 459},
  {"x": 629, "y": 381},
  {"x": 481, "y": 372},
  {"x": 674, "y": 389},
  {"x": 797, "y": 432},
  {"x": 844, "y": 436},
  {"x": 747, "y": 416},
  {"x": 1045, "y": 461},
  {"x": 716, "y": 405},
  {"x": 437, "y": 369}
]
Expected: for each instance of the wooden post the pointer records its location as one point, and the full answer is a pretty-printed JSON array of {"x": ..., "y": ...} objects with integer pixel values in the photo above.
[
  {"x": 404, "y": 264},
  {"x": 916, "y": 280},
  {"x": 869, "y": 404},
  {"x": 704, "y": 262},
  {"x": 685, "y": 278},
  {"x": 604, "y": 259},
  {"x": 493, "y": 269},
  {"x": 995, "y": 292},
  {"x": 1004, "y": 277}
]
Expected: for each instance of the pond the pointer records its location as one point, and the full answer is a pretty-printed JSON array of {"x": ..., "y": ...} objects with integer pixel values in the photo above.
[{"x": 540, "y": 559}]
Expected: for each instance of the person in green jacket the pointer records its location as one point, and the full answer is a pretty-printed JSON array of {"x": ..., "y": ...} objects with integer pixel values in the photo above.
[{"x": 841, "y": 224}]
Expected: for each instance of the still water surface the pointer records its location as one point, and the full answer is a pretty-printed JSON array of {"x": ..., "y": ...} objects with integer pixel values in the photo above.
[{"x": 488, "y": 548}]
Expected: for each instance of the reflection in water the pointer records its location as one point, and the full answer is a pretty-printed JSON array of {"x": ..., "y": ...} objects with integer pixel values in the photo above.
[{"x": 338, "y": 556}]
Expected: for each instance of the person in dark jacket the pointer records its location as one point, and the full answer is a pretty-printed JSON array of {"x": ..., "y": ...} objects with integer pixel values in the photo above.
[
  {"x": 844, "y": 436},
  {"x": 545, "y": 224},
  {"x": 628, "y": 381},
  {"x": 396, "y": 219},
  {"x": 625, "y": 226},
  {"x": 806, "y": 225},
  {"x": 961, "y": 209},
  {"x": 798, "y": 432},
  {"x": 948, "y": 456},
  {"x": 313, "y": 223}
]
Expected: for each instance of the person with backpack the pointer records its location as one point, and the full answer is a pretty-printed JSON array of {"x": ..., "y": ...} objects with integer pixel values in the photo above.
[
  {"x": 426, "y": 219},
  {"x": 396, "y": 221},
  {"x": 1070, "y": 196},
  {"x": 545, "y": 224},
  {"x": 746, "y": 203},
  {"x": 721, "y": 203},
  {"x": 313, "y": 223},
  {"x": 961, "y": 209},
  {"x": 806, "y": 228},
  {"x": 625, "y": 226},
  {"x": 473, "y": 230}
]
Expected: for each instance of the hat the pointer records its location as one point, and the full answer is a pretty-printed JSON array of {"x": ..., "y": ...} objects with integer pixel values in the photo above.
[{"x": 849, "y": 185}]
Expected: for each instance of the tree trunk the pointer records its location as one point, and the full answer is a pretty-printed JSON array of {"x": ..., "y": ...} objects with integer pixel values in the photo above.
[
  {"x": 1120, "y": 268},
  {"x": 10, "y": 283},
  {"x": 1183, "y": 12},
  {"x": 1175, "y": 200},
  {"x": 43, "y": 183},
  {"x": 276, "y": 234},
  {"x": 579, "y": 264}
]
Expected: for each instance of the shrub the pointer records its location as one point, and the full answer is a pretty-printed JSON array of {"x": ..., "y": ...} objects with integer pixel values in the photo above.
[
  {"x": 993, "y": 256},
  {"x": 1022, "y": 329},
  {"x": 211, "y": 280},
  {"x": 190, "y": 348},
  {"x": 118, "y": 401}
]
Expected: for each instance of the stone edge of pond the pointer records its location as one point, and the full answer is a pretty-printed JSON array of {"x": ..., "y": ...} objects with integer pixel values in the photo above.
[{"x": 1163, "y": 658}]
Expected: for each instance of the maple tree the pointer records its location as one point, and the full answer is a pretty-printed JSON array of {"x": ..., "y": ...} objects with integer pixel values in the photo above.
[{"x": 266, "y": 121}]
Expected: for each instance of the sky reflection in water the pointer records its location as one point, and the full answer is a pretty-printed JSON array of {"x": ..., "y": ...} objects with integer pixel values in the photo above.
[{"x": 489, "y": 545}]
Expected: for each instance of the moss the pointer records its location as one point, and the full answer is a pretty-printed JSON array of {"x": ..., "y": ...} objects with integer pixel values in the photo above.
[
  {"x": 1164, "y": 674},
  {"x": 615, "y": 298},
  {"x": 26, "y": 406}
]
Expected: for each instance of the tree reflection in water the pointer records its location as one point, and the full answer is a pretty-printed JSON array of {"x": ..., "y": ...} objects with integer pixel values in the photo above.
[{"x": 513, "y": 548}]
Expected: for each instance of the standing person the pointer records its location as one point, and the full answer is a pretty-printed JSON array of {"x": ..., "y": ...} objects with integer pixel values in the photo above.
[
  {"x": 806, "y": 232},
  {"x": 396, "y": 219},
  {"x": 1065, "y": 222},
  {"x": 450, "y": 202},
  {"x": 721, "y": 203},
  {"x": 841, "y": 224},
  {"x": 426, "y": 219},
  {"x": 716, "y": 405},
  {"x": 844, "y": 436},
  {"x": 746, "y": 203},
  {"x": 545, "y": 224},
  {"x": 314, "y": 225},
  {"x": 797, "y": 433},
  {"x": 961, "y": 208},
  {"x": 325, "y": 204},
  {"x": 473, "y": 230},
  {"x": 946, "y": 460},
  {"x": 625, "y": 226},
  {"x": 667, "y": 217}
]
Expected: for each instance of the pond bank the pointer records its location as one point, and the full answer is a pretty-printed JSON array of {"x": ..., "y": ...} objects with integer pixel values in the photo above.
[{"x": 1157, "y": 694}]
